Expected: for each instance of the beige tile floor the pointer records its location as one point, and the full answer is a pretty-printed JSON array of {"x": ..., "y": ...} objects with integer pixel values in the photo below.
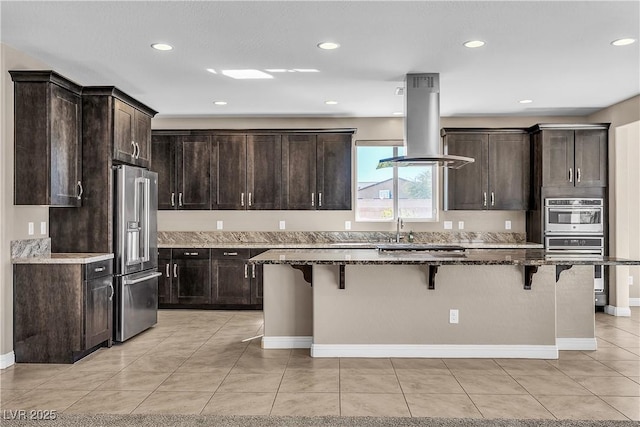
[{"x": 192, "y": 362}]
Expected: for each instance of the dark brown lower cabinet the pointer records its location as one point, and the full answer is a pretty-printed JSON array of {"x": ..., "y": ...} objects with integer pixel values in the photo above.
[
  {"x": 209, "y": 278},
  {"x": 62, "y": 312}
]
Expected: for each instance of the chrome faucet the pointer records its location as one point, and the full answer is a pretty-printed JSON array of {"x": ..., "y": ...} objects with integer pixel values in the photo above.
[{"x": 399, "y": 226}]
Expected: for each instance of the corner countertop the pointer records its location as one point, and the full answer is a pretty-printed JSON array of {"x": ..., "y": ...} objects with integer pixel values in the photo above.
[
  {"x": 524, "y": 257},
  {"x": 64, "y": 258}
]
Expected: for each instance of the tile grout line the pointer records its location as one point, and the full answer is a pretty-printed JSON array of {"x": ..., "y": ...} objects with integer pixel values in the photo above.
[{"x": 404, "y": 396}]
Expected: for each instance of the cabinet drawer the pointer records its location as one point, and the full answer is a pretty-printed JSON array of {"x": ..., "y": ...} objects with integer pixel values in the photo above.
[
  {"x": 190, "y": 253},
  {"x": 98, "y": 269},
  {"x": 230, "y": 253}
]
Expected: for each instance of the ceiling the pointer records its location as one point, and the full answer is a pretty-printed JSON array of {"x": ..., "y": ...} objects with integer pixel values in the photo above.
[{"x": 557, "y": 54}]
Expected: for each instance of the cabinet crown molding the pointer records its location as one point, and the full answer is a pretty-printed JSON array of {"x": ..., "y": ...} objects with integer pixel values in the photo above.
[
  {"x": 117, "y": 93},
  {"x": 568, "y": 126},
  {"x": 45, "y": 76}
]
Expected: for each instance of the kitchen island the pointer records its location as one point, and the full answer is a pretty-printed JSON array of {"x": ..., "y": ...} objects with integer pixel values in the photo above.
[{"x": 507, "y": 303}]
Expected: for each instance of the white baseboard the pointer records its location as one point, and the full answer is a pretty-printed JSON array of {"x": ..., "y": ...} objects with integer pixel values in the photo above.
[
  {"x": 436, "y": 351},
  {"x": 7, "y": 360},
  {"x": 577, "y": 343},
  {"x": 286, "y": 342},
  {"x": 634, "y": 302},
  {"x": 617, "y": 311}
]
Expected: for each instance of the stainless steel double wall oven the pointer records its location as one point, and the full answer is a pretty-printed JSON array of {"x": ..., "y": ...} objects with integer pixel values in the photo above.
[{"x": 575, "y": 226}]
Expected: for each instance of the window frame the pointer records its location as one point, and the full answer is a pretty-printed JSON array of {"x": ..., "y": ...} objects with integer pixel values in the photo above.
[{"x": 396, "y": 144}]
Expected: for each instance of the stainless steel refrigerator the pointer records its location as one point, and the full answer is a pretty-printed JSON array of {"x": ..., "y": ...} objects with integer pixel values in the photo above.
[{"x": 136, "y": 254}]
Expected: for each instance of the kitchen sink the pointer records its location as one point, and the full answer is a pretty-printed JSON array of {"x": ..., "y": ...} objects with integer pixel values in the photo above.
[{"x": 441, "y": 250}]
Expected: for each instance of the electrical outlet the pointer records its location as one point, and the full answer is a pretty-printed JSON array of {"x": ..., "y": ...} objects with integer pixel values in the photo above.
[
  {"x": 460, "y": 225},
  {"x": 219, "y": 225},
  {"x": 630, "y": 280},
  {"x": 507, "y": 225},
  {"x": 31, "y": 229},
  {"x": 453, "y": 316},
  {"x": 282, "y": 225},
  {"x": 347, "y": 225},
  {"x": 448, "y": 225},
  {"x": 43, "y": 227}
]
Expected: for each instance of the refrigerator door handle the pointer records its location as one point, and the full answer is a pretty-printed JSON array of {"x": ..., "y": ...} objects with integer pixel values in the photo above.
[
  {"x": 147, "y": 221},
  {"x": 141, "y": 279}
]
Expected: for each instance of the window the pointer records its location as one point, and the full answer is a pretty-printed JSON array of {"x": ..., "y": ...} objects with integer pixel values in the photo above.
[{"x": 388, "y": 193}]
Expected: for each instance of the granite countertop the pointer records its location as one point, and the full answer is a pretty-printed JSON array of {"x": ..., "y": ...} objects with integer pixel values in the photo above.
[
  {"x": 337, "y": 245},
  {"x": 526, "y": 257},
  {"x": 64, "y": 258}
]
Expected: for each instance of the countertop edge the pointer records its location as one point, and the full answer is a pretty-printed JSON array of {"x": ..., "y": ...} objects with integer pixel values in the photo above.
[{"x": 64, "y": 258}]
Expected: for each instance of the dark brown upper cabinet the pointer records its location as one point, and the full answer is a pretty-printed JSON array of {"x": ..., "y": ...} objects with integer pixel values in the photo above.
[
  {"x": 184, "y": 167},
  {"x": 248, "y": 171},
  {"x": 317, "y": 171},
  {"x": 48, "y": 139},
  {"x": 568, "y": 156},
  {"x": 499, "y": 177},
  {"x": 131, "y": 121}
]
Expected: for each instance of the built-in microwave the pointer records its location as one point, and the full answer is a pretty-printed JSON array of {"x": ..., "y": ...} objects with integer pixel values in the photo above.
[{"x": 573, "y": 216}]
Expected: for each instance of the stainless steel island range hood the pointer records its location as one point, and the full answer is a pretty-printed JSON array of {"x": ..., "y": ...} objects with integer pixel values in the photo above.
[{"x": 422, "y": 126}]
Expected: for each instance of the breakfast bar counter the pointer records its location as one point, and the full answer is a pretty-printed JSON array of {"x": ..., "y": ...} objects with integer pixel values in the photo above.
[{"x": 495, "y": 303}]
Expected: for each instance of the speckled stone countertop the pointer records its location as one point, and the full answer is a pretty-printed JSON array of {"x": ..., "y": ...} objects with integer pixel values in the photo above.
[
  {"x": 64, "y": 258},
  {"x": 525, "y": 257},
  {"x": 334, "y": 239}
]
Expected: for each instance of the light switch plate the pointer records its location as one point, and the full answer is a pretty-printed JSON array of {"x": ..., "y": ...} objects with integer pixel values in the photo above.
[
  {"x": 507, "y": 225},
  {"x": 31, "y": 229},
  {"x": 347, "y": 225},
  {"x": 43, "y": 227},
  {"x": 460, "y": 225},
  {"x": 282, "y": 225},
  {"x": 448, "y": 225},
  {"x": 630, "y": 280},
  {"x": 219, "y": 225}
]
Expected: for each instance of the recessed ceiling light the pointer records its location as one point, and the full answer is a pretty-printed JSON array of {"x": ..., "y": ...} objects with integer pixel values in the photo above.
[
  {"x": 525, "y": 101},
  {"x": 328, "y": 45},
  {"x": 331, "y": 102},
  {"x": 306, "y": 70},
  {"x": 623, "y": 42},
  {"x": 161, "y": 46},
  {"x": 398, "y": 113},
  {"x": 212, "y": 71},
  {"x": 246, "y": 74},
  {"x": 473, "y": 43},
  {"x": 220, "y": 102},
  {"x": 276, "y": 70}
]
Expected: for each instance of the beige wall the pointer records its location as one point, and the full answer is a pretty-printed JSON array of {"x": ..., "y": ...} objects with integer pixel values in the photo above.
[
  {"x": 623, "y": 186},
  {"x": 13, "y": 219}
]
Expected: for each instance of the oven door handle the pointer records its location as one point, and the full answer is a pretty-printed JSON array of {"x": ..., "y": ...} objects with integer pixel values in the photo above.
[{"x": 141, "y": 279}]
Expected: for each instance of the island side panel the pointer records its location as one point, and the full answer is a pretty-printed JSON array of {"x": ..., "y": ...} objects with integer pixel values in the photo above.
[
  {"x": 575, "y": 309},
  {"x": 392, "y": 305},
  {"x": 287, "y": 308}
]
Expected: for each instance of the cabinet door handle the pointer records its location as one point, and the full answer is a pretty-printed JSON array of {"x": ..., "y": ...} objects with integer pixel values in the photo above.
[
  {"x": 99, "y": 269},
  {"x": 249, "y": 199},
  {"x": 253, "y": 271},
  {"x": 173, "y": 199},
  {"x": 320, "y": 199},
  {"x": 313, "y": 199},
  {"x": 578, "y": 174},
  {"x": 570, "y": 174},
  {"x": 484, "y": 199},
  {"x": 167, "y": 270},
  {"x": 180, "y": 200},
  {"x": 493, "y": 199},
  {"x": 246, "y": 273},
  {"x": 175, "y": 270},
  {"x": 133, "y": 153},
  {"x": 231, "y": 254},
  {"x": 137, "y": 150},
  {"x": 111, "y": 296},
  {"x": 241, "y": 199},
  {"x": 80, "y": 190}
]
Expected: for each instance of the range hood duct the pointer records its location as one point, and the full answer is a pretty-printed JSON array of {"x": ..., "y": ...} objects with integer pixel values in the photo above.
[{"x": 422, "y": 126}]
